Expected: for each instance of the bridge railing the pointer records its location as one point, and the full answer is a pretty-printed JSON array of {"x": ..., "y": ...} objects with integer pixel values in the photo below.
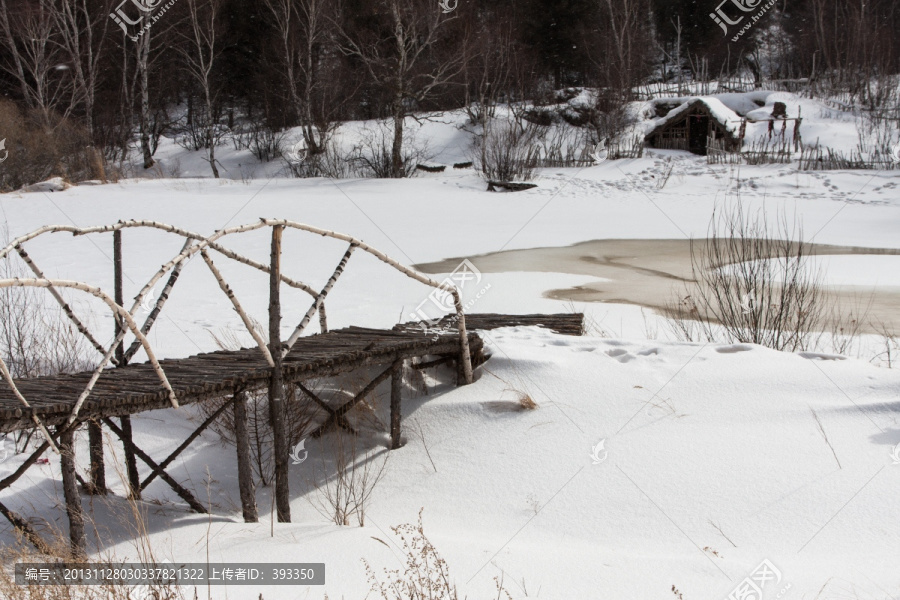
[{"x": 194, "y": 244}]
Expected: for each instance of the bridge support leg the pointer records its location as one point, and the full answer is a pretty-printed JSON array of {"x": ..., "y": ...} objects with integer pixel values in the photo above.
[
  {"x": 98, "y": 466},
  {"x": 396, "y": 388},
  {"x": 339, "y": 413},
  {"x": 134, "y": 479},
  {"x": 245, "y": 471},
  {"x": 179, "y": 489},
  {"x": 276, "y": 384},
  {"x": 70, "y": 492},
  {"x": 26, "y": 529},
  {"x": 335, "y": 418}
]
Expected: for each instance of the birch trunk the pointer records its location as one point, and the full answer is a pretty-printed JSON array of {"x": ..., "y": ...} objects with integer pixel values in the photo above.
[{"x": 143, "y": 66}]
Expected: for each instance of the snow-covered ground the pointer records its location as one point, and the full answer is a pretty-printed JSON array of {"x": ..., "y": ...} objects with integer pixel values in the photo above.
[{"x": 715, "y": 458}]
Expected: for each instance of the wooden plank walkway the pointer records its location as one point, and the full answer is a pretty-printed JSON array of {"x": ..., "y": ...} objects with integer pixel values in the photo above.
[{"x": 136, "y": 388}]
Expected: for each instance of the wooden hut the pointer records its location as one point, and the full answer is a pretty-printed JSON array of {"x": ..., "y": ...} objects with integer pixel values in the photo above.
[{"x": 695, "y": 125}]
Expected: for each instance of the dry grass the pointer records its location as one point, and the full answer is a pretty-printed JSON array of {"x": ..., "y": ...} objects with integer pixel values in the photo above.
[
  {"x": 345, "y": 478},
  {"x": 59, "y": 551},
  {"x": 526, "y": 402},
  {"x": 425, "y": 574}
]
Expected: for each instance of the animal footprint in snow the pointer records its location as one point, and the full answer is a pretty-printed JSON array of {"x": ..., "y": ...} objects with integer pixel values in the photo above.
[{"x": 621, "y": 355}]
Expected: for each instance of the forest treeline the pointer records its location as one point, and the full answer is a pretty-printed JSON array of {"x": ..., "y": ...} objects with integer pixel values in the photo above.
[{"x": 113, "y": 72}]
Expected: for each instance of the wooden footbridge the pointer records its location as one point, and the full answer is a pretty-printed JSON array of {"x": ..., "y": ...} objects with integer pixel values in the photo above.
[{"x": 63, "y": 403}]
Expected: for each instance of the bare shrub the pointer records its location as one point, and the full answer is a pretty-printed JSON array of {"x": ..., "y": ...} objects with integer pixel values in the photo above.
[
  {"x": 846, "y": 326},
  {"x": 36, "y": 337},
  {"x": 565, "y": 146},
  {"x": 373, "y": 155},
  {"x": 752, "y": 285},
  {"x": 39, "y": 151},
  {"x": 198, "y": 132},
  {"x": 346, "y": 477},
  {"x": 508, "y": 151},
  {"x": 607, "y": 115},
  {"x": 262, "y": 140},
  {"x": 891, "y": 343},
  {"x": 329, "y": 162},
  {"x": 425, "y": 575}
]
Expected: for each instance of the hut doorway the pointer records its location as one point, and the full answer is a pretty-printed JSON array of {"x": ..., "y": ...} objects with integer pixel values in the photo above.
[{"x": 698, "y": 134}]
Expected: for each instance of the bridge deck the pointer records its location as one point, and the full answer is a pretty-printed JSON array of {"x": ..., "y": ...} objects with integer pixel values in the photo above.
[{"x": 136, "y": 388}]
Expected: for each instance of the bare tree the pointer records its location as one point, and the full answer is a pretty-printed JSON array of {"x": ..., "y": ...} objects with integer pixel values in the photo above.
[
  {"x": 82, "y": 36},
  {"x": 489, "y": 73},
  {"x": 32, "y": 41},
  {"x": 303, "y": 28},
  {"x": 627, "y": 29},
  {"x": 409, "y": 52},
  {"x": 199, "y": 55}
]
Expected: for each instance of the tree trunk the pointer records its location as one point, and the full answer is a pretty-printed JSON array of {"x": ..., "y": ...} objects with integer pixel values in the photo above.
[
  {"x": 210, "y": 140},
  {"x": 144, "y": 69},
  {"x": 397, "y": 148}
]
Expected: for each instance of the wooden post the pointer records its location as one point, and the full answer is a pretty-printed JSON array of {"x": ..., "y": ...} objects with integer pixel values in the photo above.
[
  {"x": 134, "y": 481},
  {"x": 396, "y": 384},
  {"x": 98, "y": 467},
  {"x": 276, "y": 383},
  {"x": 70, "y": 492},
  {"x": 245, "y": 471}
]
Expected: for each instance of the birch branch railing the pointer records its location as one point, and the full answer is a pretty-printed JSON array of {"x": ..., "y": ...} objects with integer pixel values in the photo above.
[{"x": 194, "y": 244}]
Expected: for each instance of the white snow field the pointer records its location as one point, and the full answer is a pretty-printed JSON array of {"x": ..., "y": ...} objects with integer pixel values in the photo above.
[{"x": 715, "y": 458}]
